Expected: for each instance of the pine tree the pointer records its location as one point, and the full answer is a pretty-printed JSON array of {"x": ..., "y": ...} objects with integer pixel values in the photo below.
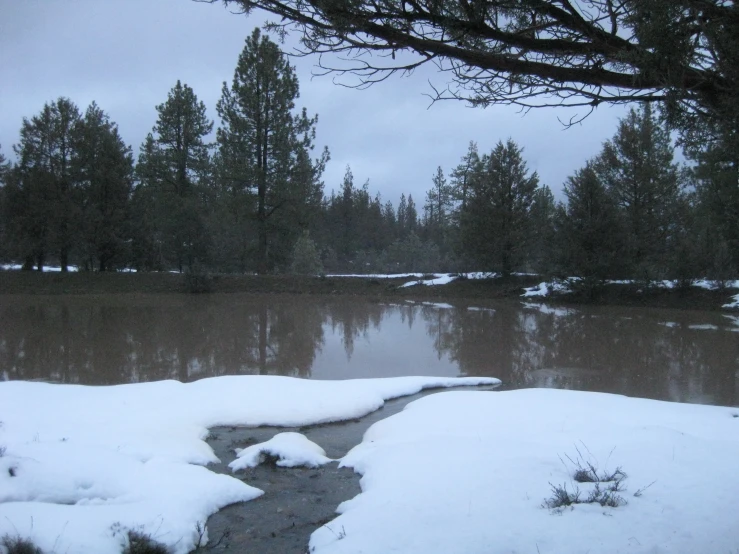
[
  {"x": 402, "y": 217},
  {"x": 717, "y": 179},
  {"x": 463, "y": 178},
  {"x": 411, "y": 216},
  {"x": 637, "y": 169},
  {"x": 47, "y": 191},
  {"x": 104, "y": 169},
  {"x": 438, "y": 202},
  {"x": 592, "y": 230},
  {"x": 263, "y": 144},
  {"x": 5, "y": 236},
  {"x": 495, "y": 214},
  {"x": 174, "y": 163},
  {"x": 542, "y": 223}
]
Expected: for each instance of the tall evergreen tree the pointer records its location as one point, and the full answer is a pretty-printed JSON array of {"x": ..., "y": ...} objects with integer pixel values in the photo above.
[
  {"x": 592, "y": 232},
  {"x": 637, "y": 168},
  {"x": 438, "y": 204},
  {"x": 411, "y": 216},
  {"x": 104, "y": 170},
  {"x": 717, "y": 179},
  {"x": 495, "y": 219},
  {"x": 48, "y": 192},
  {"x": 263, "y": 143},
  {"x": 174, "y": 165},
  {"x": 463, "y": 179},
  {"x": 402, "y": 217},
  {"x": 5, "y": 246},
  {"x": 542, "y": 223}
]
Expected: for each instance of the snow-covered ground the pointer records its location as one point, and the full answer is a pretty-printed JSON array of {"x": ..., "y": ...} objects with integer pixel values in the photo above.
[
  {"x": 46, "y": 268},
  {"x": 546, "y": 288},
  {"x": 82, "y": 464},
  {"x": 470, "y": 472},
  {"x": 466, "y": 472}
]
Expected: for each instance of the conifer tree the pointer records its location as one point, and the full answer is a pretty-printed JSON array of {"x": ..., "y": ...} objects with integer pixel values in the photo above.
[
  {"x": 104, "y": 169},
  {"x": 48, "y": 193},
  {"x": 263, "y": 144},
  {"x": 495, "y": 218},
  {"x": 402, "y": 217},
  {"x": 411, "y": 216},
  {"x": 717, "y": 180},
  {"x": 174, "y": 164},
  {"x": 542, "y": 224},
  {"x": 438, "y": 208},
  {"x": 637, "y": 168},
  {"x": 592, "y": 230}
]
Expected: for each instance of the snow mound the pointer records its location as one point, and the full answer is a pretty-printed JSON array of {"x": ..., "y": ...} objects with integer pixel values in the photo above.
[
  {"x": 546, "y": 288},
  {"x": 470, "y": 472},
  {"x": 292, "y": 449}
]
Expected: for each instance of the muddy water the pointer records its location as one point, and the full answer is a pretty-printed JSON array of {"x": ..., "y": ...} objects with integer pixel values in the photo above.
[{"x": 670, "y": 355}]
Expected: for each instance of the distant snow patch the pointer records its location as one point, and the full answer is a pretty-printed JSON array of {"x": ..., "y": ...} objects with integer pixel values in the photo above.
[
  {"x": 546, "y": 288},
  {"x": 734, "y": 302},
  {"x": 438, "y": 279},
  {"x": 704, "y": 327}
]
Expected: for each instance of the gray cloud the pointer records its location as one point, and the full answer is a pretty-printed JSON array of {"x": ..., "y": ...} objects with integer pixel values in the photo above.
[{"x": 127, "y": 54}]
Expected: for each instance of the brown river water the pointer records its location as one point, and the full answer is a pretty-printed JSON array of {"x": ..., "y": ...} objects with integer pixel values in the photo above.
[{"x": 685, "y": 356}]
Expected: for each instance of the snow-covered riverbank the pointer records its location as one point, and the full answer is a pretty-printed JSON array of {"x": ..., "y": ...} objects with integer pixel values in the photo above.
[
  {"x": 82, "y": 465},
  {"x": 468, "y": 472}
]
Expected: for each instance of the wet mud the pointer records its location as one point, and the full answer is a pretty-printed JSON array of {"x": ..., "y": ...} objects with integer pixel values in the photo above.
[{"x": 296, "y": 501}]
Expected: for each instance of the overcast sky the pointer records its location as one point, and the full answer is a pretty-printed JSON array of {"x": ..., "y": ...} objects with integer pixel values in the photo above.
[{"x": 127, "y": 54}]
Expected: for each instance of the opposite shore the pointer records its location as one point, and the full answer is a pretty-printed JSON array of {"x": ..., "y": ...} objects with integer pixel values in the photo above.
[{"x": 87, "y": 283}]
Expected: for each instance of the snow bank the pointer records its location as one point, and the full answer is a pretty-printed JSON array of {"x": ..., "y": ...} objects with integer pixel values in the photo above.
[
  {"x": 83, "y": 462},
  {"x": 379, "y": 275},
  {"x": 469, "y": 472},
  {"x": 439, "y": 279},
  {"x": 292, "y": 449},
  {"x": 548, "y": 287},
  {"x": 734, "y": 302}
]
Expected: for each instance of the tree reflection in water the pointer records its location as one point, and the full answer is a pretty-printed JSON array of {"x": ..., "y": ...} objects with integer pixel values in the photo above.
[{"x": 120, "y": 339}]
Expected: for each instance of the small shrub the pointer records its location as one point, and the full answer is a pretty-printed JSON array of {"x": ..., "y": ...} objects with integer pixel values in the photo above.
[
  {"x": 2, "y": 451},
  {"x": 561, "y": 497},
  {"x": 606, "y": 485},
  {"x": 141, "y": 543},
  {"x": 269, "y": 459},
  {"x": 305, "y": 258},
  {"x": 19, "y": 545}
]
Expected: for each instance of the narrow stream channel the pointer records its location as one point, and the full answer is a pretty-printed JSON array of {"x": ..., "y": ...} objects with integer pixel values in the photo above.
[{"x": 296, "y": 501}]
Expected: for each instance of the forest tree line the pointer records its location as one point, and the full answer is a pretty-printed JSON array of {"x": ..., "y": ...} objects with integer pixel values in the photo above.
[{"x": 253, "y": 200}]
